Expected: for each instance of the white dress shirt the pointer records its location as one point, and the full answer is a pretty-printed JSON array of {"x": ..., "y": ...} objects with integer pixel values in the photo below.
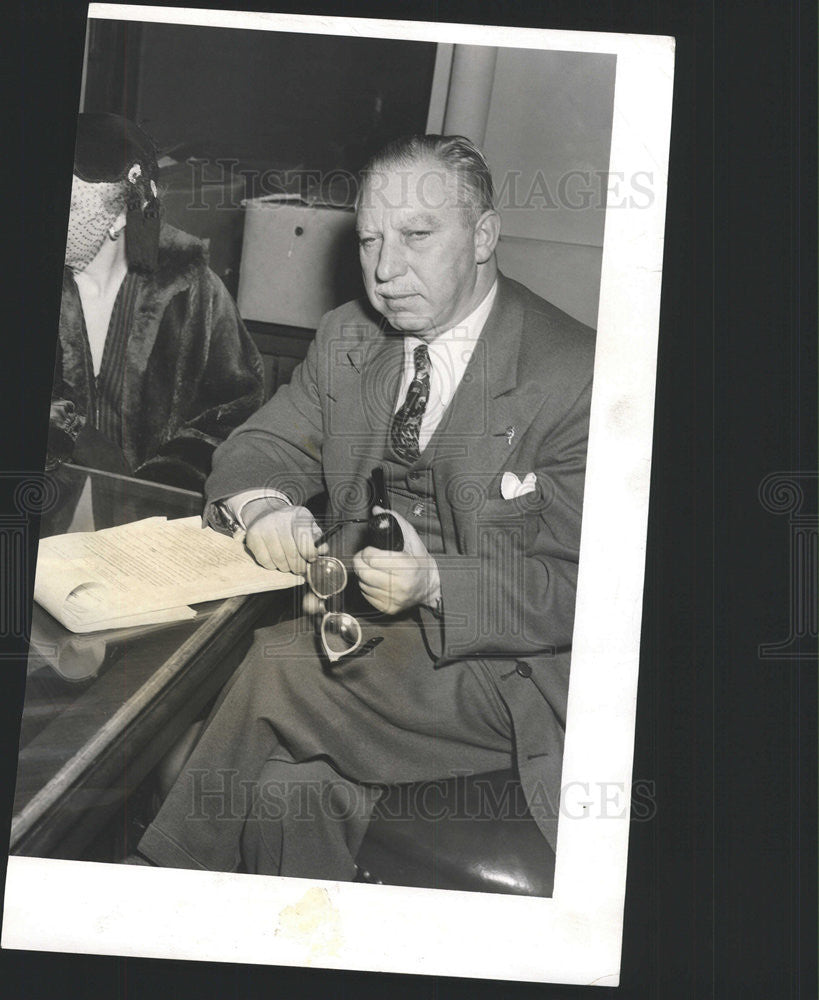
[{"x": 449, "y": 354}]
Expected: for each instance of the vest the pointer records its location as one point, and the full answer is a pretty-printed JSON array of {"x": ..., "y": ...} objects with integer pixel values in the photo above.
[{"x": 411, "y": 493}]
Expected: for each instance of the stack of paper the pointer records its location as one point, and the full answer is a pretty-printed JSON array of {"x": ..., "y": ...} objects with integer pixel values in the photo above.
[{"x": 145, "y": 572}]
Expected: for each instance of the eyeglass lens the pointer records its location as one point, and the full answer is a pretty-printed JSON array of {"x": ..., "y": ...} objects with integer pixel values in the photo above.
[
  {"x": 326, "y": 576},
  {"x": 340, "y": 633}
]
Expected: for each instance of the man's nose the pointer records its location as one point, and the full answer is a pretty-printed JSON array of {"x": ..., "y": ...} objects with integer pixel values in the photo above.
[{"x": 391, "y": 263}]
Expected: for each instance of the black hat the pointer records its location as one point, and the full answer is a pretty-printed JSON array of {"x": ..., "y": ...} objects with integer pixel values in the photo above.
[
  {"x": 111, "y": 148},
  {"x": 108, "y": 146}
]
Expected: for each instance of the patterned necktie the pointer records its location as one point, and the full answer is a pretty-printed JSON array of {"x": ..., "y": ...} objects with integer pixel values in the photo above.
[{"x": 406, "y": 424}]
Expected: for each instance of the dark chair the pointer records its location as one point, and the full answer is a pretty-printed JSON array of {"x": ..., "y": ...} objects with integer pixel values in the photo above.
[{"x": 471, "y": 833}]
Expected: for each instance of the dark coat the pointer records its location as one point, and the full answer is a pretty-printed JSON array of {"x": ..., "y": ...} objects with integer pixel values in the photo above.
[
  {"x": 192, "y": 372},
  {"x": 509, "y": 567}
]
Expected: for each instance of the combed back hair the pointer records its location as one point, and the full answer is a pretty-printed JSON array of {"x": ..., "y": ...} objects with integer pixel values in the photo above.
[{"x": 457, "y": 154}]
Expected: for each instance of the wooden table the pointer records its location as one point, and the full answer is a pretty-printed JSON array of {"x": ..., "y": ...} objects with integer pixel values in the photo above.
[{"x": 101, "y": 710}]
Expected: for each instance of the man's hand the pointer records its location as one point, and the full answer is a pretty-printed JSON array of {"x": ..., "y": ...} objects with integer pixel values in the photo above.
[
  {"x": 282, "y": 539},
  {"x": 395, "y": 581}
]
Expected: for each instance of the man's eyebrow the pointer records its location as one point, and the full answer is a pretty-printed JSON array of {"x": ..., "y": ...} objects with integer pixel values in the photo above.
[{"x": 422, "y": 219}]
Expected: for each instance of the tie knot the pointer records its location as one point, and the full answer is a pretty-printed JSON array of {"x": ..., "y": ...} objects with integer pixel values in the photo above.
[{"x": 421, "y": 358}]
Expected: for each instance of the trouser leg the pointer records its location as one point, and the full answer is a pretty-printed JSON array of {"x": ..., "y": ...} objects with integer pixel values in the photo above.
[
  {"x": 385, "y": 718},
  {"x": 199, "y": 825},
  {"x": 307, "y": 821}
]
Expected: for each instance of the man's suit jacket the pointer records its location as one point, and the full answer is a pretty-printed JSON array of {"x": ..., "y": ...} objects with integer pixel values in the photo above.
[{"x": 509, "y": 566}]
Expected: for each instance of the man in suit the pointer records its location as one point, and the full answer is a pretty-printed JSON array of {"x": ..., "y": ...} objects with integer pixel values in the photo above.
[{"x": 473, "y": 394}]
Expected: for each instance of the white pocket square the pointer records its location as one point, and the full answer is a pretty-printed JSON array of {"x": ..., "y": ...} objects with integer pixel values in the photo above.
[{"x": 512, "y": 487}]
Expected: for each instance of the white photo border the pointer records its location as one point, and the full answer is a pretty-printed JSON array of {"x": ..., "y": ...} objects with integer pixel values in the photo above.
[{"x": 575, "y": 937}]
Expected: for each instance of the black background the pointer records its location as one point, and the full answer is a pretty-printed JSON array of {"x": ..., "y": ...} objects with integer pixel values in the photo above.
[{"x": 721, "y": 897}]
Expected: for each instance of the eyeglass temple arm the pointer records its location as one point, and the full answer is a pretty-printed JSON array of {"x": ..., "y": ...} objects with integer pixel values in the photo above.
[{"x": 337, "y": 527}]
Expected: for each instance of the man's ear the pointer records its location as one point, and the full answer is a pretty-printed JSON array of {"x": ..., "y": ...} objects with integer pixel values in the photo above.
[{"x": 487, "y": 234}]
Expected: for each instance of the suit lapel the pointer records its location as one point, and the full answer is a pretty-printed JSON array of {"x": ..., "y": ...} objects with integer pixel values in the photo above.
[
  {"x": 486, "y": 420},
  {"x": 362, "y": 382},
  {"x": 489, "y": 413}
]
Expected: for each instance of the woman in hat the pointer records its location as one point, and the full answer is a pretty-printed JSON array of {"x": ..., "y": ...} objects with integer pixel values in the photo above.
[{"x": 154, "y": 367}]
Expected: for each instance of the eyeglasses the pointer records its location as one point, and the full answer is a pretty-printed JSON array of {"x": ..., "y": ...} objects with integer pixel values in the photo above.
[
  {"x": 340, "y": 631},
  {"x": 327, "y": 577}
]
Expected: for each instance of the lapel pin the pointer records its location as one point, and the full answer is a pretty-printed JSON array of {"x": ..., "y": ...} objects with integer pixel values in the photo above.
[{"x": 510, "y": 434}]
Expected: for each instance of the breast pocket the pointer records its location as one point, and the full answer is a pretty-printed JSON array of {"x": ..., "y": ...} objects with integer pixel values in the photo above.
[
  {"x": 499, "y": 508},
  {"x": 509, "y": 524}
]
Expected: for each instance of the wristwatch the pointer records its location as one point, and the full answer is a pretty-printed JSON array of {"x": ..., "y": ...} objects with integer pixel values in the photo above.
[{"x": 222, "y": 519}]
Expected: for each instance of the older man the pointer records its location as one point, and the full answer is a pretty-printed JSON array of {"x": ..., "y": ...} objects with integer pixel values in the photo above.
[{"x": 472, "y": 394}]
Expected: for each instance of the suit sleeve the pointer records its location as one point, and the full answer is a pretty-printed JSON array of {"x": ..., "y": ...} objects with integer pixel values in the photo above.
[
  {"x": 514, "y": 594},
  {"x": 279, "y": 447},
  {"x": 230, "y": 388}
]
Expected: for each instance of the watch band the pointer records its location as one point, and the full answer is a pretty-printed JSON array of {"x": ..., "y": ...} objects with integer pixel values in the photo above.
[{"x": 226, "y": 522}]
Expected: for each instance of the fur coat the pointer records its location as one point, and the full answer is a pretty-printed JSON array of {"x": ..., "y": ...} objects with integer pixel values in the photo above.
[{"x": 192, "y": 374}]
